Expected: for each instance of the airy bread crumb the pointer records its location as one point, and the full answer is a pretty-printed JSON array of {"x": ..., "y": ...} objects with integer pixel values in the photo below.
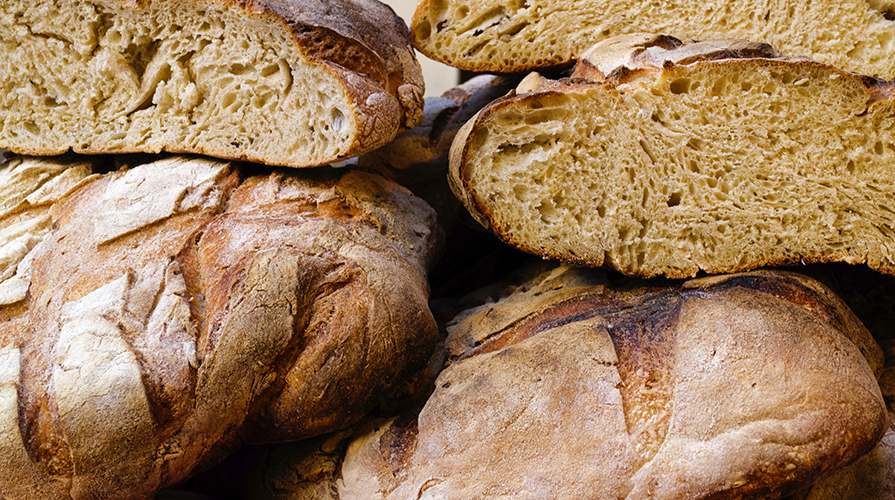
[
  {"x": 517, "y": 35},
  {"x": 712, "y": 163},
  {"x": 296, "y": 83}
]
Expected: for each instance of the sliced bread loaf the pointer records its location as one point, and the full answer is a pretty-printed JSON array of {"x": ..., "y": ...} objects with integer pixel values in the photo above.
[
  {"x": 516, "y": 35},
  {"x": 283, "y": 82},
  {"x": 665, "y": 159}
]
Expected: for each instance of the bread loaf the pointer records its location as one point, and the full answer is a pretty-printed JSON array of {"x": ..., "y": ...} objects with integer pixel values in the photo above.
[
  {"x": 181, "y": 306},
  {"x": 507, "y": 36},
  {"x": 283, "y": 82},
  {"x": 662, "y": 158},
  {"x": 576, "y": 386}
]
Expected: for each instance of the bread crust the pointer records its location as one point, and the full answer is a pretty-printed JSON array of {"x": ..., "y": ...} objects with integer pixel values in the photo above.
[
  {"x": 606, "y": 400},
  {"x": 183, "y": 305}
]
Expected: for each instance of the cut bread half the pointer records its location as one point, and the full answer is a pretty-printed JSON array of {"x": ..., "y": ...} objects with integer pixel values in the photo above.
[
  {"x": 665, "y": 159},
  {"x": 517, "y": 35},
  {"x": 284, "y": 82}
]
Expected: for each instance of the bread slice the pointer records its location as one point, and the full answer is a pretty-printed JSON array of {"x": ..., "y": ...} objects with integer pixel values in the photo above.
[
  {"x": 285, "y": 82},
  {"x": 665, "y": 159},
  {"x": 514, "y": 35}
]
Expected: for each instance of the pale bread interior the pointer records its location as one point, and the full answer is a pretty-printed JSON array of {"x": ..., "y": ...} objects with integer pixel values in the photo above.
[
  {"x": 514, "y": 35},
  {"x": 718, "y": 166},
  {"x": 179, "y": 76}
]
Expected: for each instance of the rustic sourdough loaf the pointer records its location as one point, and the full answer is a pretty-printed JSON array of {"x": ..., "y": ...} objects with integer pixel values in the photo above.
[
  {"x": 516, "y": 35},
  {"x": 180, "y": 306},
  {"x": 662, "y": 158},
  {"x": 283, "y": 82},
  {"x": 574, "y": 386}
]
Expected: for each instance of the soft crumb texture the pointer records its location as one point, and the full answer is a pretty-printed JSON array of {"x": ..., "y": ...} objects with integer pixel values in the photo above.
[
  {"x": 284, "y": 82},
  {"x": 703, "y": 164},
  {"x": 515, "y": 35}
]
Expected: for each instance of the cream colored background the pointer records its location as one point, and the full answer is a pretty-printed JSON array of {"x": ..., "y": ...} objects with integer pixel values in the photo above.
[{"x": 438, "y": 76}]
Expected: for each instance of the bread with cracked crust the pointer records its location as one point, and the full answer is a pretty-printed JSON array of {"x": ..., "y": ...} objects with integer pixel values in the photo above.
[
  {"x": 658, "y": 157},
  {"x": 283, "y": 82},
  {"x": 520, "y": 35},
  {"x": 180, "y": 306},
  {"x": 574, "y": 386}
]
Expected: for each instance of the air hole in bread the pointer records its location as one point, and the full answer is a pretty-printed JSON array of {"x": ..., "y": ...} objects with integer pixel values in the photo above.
[
  {"x": 680, "y": 86},
  {"x": 674, "y": 200}
]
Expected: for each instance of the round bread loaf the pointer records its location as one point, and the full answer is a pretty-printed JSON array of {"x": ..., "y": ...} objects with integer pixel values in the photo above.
[{"x": 178, "y": 307}]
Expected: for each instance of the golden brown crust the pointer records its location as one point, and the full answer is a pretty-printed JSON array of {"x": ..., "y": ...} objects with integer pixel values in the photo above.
[
  {"x": 181, "y": 304},
  {"x": 726, "y": 387},
  {"x": 365, "y": 37}
]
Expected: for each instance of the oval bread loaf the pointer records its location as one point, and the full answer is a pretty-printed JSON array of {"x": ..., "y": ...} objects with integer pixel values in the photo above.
[
  {"x": 514, "y": 35},
  {"x": 746, "y": 386},
  {"x": 663, "y": 158},
  {"x": 283, "y": 82},
  {"x": 181, "y": 306}
]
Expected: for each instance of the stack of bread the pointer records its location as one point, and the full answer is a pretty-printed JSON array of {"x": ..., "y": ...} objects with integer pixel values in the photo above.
[{"x": 160, "y": 309}]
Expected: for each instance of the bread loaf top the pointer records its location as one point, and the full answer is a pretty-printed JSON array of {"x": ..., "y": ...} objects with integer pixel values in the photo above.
[
  {"x": 179, "y": 306},
  {"x": 744, "y": 386}
]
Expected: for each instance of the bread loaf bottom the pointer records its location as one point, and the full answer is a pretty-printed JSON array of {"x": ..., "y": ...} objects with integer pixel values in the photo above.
[
  {"x": 480, "y": 35},
  {"x": 295, "y": 82},
  {"x": 661, "y": 159}
]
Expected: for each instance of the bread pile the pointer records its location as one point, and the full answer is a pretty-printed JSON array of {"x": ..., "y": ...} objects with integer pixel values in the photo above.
[
  {"x": 658, "y": 158},
  {"x": 577, "y": 386},
  {"x": 159, "y": 310}
]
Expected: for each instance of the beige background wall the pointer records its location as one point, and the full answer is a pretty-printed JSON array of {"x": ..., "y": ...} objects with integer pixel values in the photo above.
[{"x": 438, "y": 76}]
